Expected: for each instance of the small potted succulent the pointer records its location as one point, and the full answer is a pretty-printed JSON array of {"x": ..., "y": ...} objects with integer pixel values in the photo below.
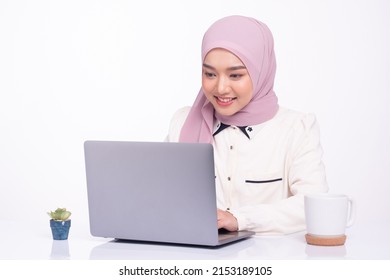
[{"x": 60, "y": 223}]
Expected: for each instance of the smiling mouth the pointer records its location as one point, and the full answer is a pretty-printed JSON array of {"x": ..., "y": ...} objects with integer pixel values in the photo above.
[{"x": 224, "y": 101}]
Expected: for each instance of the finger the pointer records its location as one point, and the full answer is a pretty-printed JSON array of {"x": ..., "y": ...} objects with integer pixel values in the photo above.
[{"x": 219, "y": 214}]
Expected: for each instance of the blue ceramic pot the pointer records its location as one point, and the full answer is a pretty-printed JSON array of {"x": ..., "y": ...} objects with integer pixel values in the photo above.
[{"x": 60, "y": 229}]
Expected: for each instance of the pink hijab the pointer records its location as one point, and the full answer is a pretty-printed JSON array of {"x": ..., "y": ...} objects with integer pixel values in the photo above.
[{"x": 252, "y": 42}]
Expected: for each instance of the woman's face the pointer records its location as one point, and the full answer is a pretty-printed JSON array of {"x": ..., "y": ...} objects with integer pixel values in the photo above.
[{"x": 226, "y": 82}]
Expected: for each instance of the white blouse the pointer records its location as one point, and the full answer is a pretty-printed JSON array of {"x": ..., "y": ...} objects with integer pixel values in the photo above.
[{"x": 261, "y": 177}]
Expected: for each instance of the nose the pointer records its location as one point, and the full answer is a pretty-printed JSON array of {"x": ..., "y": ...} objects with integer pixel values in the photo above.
[{"x": 223, "y": 85}]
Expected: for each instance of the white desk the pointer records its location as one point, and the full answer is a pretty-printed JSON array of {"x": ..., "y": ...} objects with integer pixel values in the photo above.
[{"x": 365, "y": 241}]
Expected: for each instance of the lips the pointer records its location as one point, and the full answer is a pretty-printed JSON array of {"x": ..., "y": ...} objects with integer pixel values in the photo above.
[{"x": 225, "y": 101}]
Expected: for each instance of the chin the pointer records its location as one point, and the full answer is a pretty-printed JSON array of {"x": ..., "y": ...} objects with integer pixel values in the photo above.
[{"x": 226, "y": 113}]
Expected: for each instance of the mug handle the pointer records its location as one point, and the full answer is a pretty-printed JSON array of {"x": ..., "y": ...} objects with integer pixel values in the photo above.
[{"x": 352, "y": 211}]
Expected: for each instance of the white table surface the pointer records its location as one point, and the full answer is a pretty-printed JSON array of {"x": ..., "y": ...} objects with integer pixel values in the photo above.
[{"x": 365, "y": 241}]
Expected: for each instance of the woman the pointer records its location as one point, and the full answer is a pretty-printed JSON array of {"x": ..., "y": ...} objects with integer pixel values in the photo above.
[{"x": 266, "y": 157}]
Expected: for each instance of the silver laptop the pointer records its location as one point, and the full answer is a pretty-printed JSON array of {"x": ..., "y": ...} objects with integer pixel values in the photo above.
[{"x": 154, "y": 192}]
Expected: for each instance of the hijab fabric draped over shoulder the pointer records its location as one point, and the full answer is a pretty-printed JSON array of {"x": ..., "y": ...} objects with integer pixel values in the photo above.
[{"x": 252, "y": 42}]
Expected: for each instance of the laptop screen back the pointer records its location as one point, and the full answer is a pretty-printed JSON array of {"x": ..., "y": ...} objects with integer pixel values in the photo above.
[{"x": 152, "y": 191}]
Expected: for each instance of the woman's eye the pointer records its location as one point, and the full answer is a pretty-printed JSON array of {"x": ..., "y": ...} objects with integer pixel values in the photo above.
[
  {"x": 209, "y": 75},
  {"x": 236, "y": 76}
]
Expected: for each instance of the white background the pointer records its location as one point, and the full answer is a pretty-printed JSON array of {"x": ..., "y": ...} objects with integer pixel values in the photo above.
[{"x": 117, "y": 70}]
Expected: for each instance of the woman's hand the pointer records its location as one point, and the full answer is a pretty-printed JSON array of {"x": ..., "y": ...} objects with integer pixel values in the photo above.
[{"x": 226, "y": 220}]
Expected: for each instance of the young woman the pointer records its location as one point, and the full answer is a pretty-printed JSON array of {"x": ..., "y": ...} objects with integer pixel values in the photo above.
[{"x": 266, "y": 157}]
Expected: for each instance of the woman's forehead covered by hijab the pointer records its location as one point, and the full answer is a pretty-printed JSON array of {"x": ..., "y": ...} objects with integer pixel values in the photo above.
[{"x": 247, "y": 38}]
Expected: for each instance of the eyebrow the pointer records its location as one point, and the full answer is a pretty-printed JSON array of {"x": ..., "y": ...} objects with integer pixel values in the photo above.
[{"x": 230, "y": 68}]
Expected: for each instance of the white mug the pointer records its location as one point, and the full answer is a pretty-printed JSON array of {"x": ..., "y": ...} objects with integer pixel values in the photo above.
[{"x": 328, "y": 215}]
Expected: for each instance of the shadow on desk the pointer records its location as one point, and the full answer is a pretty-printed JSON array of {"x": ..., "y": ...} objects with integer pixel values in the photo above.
[
  {"x": 60, "y": 250},
  {"x": 326, "y": 252},
  {"x": 271, "y": 248},
  {"x": 122, "y": 249}
]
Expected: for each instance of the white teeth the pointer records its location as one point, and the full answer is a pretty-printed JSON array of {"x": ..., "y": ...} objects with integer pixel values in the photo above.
[{"x": 225, "y": 99}]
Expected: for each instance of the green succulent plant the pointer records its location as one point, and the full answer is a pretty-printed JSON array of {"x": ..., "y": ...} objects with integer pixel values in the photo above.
[{"x": 61, "y": 214}]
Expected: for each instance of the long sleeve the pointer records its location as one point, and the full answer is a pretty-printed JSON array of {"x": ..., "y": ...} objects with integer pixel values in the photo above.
[{"x": 304, "y": 173}]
